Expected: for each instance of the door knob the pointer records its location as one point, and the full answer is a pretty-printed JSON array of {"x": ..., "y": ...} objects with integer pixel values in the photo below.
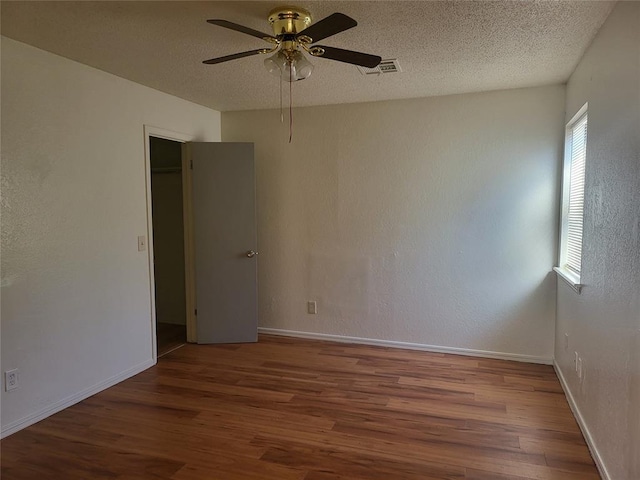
[{"x": 251, "y": 253}]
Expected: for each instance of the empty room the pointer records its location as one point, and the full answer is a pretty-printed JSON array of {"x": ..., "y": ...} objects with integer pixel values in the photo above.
[{"x": 320, "y": 240}]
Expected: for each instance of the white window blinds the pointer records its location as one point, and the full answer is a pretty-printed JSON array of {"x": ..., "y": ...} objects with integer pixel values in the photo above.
[{"x": 577, "y": 138}]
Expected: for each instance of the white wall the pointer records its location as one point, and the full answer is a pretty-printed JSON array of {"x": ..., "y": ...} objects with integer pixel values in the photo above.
[
  {"x": 429, "y": 221},
  {"x": 603, "y": 322},
  {"x": 75, "y": 290}
]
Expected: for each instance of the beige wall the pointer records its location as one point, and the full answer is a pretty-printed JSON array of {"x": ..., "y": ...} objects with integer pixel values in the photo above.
[
  {"x": 76, "y": 313},
  {"x": 429, "y": 221},
  {"x": 603, "y": 322}
]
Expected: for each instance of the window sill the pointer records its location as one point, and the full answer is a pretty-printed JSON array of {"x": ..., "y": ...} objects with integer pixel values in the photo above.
[{"x": 569, "y": 277}]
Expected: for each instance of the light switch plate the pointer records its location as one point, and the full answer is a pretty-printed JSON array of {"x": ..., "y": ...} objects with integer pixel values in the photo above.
[
  {"x": 312, "y": 307},
  {"x": 142, "y": 243}
]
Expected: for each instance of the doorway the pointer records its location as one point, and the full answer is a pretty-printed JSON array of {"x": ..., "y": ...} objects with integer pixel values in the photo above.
[
  {"x": 168, "y": 243},
  {"x": 218, "y": 225}
]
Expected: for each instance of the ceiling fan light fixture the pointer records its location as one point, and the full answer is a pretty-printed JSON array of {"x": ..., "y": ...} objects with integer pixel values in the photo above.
[
  {"x": 302, "y": 68},
  {"x": 276, "y": 64},
  {"x": 290, "y": 67}
]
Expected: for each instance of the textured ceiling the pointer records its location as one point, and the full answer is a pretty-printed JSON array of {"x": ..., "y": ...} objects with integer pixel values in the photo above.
[{"x": 443, "y": 47}]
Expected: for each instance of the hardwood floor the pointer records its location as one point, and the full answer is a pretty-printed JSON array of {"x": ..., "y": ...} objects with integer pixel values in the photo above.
[
  {"x": 170, "y": 337},
  {"x": 292, "y": 409}
]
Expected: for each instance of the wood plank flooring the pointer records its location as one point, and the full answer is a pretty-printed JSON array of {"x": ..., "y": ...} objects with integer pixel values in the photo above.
[
  {"x": 169, "y": 337},
  {"x": 292, "y": 409}
]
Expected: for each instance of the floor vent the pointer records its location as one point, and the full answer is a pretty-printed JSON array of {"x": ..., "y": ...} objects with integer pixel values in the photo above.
[{"x": 386, "y": 66}]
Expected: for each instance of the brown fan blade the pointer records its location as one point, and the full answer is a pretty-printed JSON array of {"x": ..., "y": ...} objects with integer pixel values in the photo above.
[
  {"x": 239, "y": 28},
  {"x": 226, "y": 58},
  {"x": 349, "y": 56},
  {"x": 334, "y": 23}
]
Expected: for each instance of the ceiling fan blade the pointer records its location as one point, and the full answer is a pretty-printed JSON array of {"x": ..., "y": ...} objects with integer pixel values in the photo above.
[
  {"x": 349, "y": 56},
  {"x": 239, "y": 28},
  {"x": 334, "y": 23},
  {"x": 226, "y": 58}
]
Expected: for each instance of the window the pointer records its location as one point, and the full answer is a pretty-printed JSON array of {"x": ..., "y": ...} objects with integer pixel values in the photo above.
[{"x": 573, "y": 199}]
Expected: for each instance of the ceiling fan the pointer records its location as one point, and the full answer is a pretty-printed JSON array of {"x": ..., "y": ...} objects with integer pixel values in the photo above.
[{"x": 293, "y": 33}]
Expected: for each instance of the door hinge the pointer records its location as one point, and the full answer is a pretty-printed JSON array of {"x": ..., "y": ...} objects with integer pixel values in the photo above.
[
  {"x": 191, "y": 163},
  {"x": 195, "y": 312}
]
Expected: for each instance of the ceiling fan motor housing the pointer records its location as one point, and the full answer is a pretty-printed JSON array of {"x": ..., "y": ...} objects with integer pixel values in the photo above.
[{"x": 289, "y": 20}]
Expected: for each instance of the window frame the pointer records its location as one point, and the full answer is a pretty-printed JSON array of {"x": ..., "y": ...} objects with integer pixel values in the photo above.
[{"x": 572, "y": 277}]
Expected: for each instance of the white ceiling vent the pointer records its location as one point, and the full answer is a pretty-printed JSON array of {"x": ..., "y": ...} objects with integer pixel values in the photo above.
[{"x": 390, "y": 65}]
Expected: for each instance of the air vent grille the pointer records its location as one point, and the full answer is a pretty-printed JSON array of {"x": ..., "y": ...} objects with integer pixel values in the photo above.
[{"x": 386, "y": 66}]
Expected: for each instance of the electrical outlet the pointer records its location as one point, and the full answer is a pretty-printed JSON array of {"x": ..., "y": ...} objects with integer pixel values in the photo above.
[
  {"x": 312, "y": 307},
  {"x": 566, "y": 342},
  {"x": 10, "y": 379}
]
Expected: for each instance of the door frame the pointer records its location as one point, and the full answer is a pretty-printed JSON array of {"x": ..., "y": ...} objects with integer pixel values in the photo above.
[{"x": 151, "y": 131}]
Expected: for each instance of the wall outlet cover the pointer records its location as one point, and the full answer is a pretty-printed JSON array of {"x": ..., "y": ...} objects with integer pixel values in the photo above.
[{"x": 10, "y": 379}]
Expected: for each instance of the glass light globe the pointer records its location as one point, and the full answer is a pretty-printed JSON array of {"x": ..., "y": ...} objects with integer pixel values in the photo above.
[
  {"x": 276, "y": 64},
  {"x": 303, "y": 67},
  {"x": 291, "y": 69}
]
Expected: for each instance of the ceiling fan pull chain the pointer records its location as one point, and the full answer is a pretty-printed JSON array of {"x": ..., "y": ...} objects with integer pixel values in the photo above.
[
  {"x": 281, "y": 108},
  {"x": 290, "y": 102}
]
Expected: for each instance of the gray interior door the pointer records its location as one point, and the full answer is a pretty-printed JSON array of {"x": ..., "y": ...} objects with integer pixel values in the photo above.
[{"x": 225, "y": 239}]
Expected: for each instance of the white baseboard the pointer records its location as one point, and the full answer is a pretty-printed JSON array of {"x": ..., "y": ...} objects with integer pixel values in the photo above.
[
  {"x": 582, "y": 424},
  {"x": 406, "y": 345},
  {"x": 24, "y": 422}
]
